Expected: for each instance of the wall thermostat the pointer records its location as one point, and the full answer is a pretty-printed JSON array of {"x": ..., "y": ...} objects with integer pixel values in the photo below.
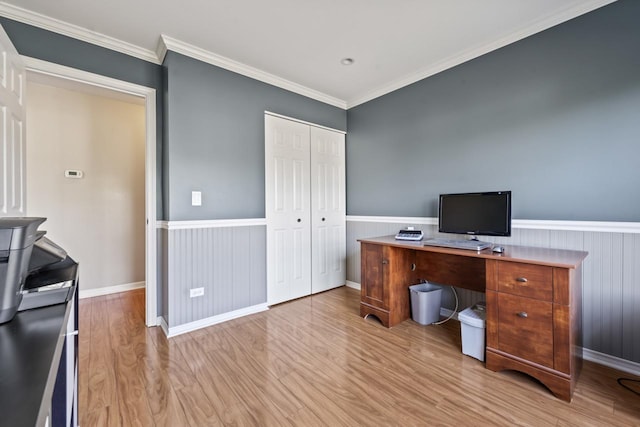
[{"x": 73, "y": 173}]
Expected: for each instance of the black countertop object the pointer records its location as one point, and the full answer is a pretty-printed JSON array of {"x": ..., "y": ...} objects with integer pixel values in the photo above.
[{"x": 30, "y": 349}]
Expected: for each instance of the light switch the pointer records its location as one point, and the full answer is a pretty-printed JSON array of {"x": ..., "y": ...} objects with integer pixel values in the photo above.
[{"x": 196, "y": 198}]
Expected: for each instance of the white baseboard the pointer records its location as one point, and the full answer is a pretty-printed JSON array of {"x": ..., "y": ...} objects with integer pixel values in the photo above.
[
  {"x": 611, "y": 361},
  {"x": 445, "y": 312},
  {"x": 163, "y": 325},
  {"x": 209, "y": 321},
  {"x": 353, "y": 285},
  {"x": 90, "y": 293},
  {"x": 587, "y": 354}
]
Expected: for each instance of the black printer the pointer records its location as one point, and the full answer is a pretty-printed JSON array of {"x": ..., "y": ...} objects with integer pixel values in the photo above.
[{"x": 34, "y": 271}]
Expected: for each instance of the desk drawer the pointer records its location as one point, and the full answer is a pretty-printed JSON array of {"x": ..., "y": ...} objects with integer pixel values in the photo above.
[
  {"x": 527, "y": 280},
  {"x": 525, "y": 328}
]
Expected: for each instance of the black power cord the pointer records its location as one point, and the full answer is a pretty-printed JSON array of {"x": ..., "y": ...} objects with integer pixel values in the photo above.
[{"x": 621, "y": 381}]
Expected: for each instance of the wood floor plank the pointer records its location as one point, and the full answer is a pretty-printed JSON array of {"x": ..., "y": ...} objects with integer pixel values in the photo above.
[
  {"x": 84, "y": 341},
  {"x": 252, "y": 364},
  {"x": 102, "y": 417},
  {"x": 133, "y": 404},
  {"x": 314, "y": 362},
  {"x": 335, "y": 379},
  {"x": 215, "y": 384},
  {"x": 197, "y": 407},
  {"x": 164, "y": 404},
  {"x": 257, "y": 387},
  {"x": 172, "y": 363},
  {"x": 325, "y": 409},
  {"x": 132, "y": 399},
  {"x": 306, "y": 417},
  {"x": 101, "y": 376}
]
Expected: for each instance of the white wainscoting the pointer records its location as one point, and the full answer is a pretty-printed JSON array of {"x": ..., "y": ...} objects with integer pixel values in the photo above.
[
  {"x": 611, "y": 275},
  {"x": 226, "y": 258},
  {"x": 611, "y": 281}
]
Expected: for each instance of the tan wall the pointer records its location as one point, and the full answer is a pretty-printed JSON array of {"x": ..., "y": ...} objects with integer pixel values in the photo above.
[{"x": 98, "y": 219}]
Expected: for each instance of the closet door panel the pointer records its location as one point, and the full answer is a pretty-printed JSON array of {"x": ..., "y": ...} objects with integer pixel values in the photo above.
[
  {"x": 328, "y": 241},
  {"x": 287, "y": 209}
]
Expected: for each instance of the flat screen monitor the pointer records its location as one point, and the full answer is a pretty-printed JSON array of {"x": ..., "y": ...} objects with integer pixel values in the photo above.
[{"x": 484, "y": 214}]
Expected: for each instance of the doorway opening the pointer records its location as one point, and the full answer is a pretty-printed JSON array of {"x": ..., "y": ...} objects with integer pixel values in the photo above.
[{"x": 128, "y": 96}]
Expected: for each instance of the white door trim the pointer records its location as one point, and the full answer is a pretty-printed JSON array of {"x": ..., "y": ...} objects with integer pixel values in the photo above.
[
  {"x": 149, "y": 96},
  {"x": 270, "y": 113}
]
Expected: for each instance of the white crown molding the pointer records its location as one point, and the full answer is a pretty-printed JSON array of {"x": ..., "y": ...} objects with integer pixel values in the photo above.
[
  {"x": 168, "y": 43},
  {"x": 533, "y": 28},
  {"x": 51, "y": 24},
  {"x": 528, "y": 224},
  {"x": 161, "y": 48},
  {"x": 212, "y": 223}
]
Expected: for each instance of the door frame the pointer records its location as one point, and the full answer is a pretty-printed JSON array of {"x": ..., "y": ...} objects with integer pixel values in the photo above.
[{"x": 149, "y": 95}]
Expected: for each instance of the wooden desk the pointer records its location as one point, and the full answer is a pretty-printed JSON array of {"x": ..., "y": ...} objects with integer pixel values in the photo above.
[{"x": 533, "y": 295}]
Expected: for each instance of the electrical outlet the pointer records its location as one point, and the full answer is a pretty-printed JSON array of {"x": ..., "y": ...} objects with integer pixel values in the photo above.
[{"x": 196, "y": 292}]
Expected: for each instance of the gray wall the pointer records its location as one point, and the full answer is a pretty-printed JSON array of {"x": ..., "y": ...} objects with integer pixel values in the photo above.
[
  {"x": 52, "y": 47},
  {"x": 554, "y": 118},
  {"x": 215, "y": 137}
]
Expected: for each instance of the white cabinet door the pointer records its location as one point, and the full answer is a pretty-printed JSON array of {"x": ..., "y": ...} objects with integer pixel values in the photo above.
[
  {"x": 287, "y": 209},
  {"x": 12, "y": 130},
  {"x": 328, "y": 239}
]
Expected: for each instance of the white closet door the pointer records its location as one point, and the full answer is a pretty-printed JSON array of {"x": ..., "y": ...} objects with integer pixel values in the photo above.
[
  {"x": 288, "y": 215},
  {"x": 12, "y": 130},
  {"x": 328, "y": 209}
]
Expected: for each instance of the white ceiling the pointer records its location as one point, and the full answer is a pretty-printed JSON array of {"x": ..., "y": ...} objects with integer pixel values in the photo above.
[{"x": 298, "y": 44}]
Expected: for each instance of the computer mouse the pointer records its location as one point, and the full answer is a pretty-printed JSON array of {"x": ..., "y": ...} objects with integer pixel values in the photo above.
[{"x": 498, "y": 249}]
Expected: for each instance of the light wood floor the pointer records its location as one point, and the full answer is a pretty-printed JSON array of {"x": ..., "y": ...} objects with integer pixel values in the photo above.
[{"x": 313, "y": 362}]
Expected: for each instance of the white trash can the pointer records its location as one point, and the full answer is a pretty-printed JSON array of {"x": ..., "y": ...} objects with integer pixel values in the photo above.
[
  {"x": 472, "y": 325},
  {"x": 426, "y": 299}
]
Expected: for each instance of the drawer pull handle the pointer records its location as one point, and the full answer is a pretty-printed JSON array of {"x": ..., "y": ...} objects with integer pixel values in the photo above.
[
  {"x": 523, "y": 314},
  {"x": 522, "y": 280},
  {"x": 413, "y": 267},
  {"x": 384, "y": 261}
]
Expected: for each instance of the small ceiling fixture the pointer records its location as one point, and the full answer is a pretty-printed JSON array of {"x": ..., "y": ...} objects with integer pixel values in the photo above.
[{"x": 346, "y": 61}]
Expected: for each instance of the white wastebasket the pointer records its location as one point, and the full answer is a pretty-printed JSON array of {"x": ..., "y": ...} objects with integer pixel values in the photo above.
[{"x": 472, "y": 325}]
